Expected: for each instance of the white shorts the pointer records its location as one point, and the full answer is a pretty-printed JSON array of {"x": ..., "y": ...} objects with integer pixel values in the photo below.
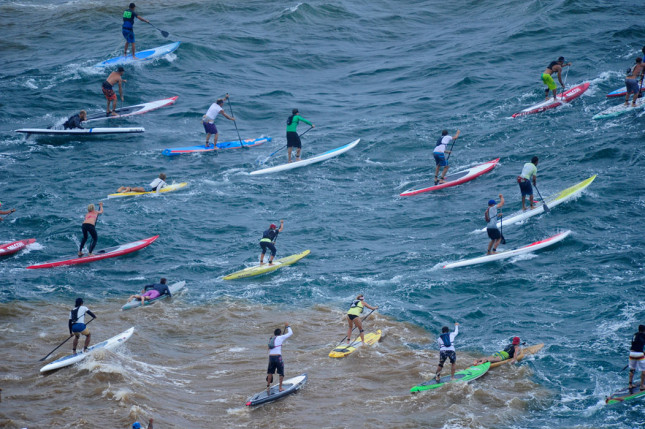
[{"x": 637, "y": 361}]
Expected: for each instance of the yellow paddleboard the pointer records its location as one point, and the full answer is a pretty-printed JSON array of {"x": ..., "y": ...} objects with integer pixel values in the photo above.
[
  {"x": 530, "y": 350},
  {"x": 168, "y": 188},
  {"x": 266, "y": 268},
  {"x": 342, "y": 351}
]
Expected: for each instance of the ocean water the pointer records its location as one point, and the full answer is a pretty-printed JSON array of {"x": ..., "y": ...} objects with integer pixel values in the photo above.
[{"x": 393, "y": 74}]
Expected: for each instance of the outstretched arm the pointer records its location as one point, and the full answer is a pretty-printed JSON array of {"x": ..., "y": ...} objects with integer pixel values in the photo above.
[
  {"x": 226, "y": 116},
  {"x": 143, "y": 19}
]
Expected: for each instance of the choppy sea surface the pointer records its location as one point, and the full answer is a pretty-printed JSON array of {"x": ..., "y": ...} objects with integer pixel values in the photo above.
[{"x": 393, "y": 74}]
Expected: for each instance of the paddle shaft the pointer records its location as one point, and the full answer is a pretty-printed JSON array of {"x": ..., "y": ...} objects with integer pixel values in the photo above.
[
  {"x": 163, "y": 33},
  {"x": 267, "y": 158},
  {"x": 501, "y": 228},
  {"x": 450, "y": 151},
  {"x": 235, "y": 122},
  {"x": 362, "y": 320},
  {"x": 546, "y": 208},
  {"x": 61, "y": 344}
]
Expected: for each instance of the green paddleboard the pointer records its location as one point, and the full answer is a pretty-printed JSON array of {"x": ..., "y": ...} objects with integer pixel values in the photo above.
[
  {"x": 625, "y": 394},
  {"x": 467, "y": 374}
]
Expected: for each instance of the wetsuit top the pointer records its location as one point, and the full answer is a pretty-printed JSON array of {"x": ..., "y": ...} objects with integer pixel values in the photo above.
[
  {"x": 510, "y": 349},
  {"x": 77, "y": 315},
  {"x": 212, "y": 112},
  {"x": 73, "y": 122},
  {"x": 443, "y": 141},
  {"x": 293, "y": 126},
  {"x": 277, "y": 342},
  {"x": 638, "y": 341},
  {"x": 356, "y": 308},
  {"x": 161, "y": 288},
  {"x": 492, "y": 213},
  {"x": 442, "y": 346},
  {"x": 157, "y": 184},
  {"x": 128, "y": 19},
  {"x": 269, "y": 235},
  {"x": 529, "y": 170},
  {"x": 93, "y": 215},
  {"x": 552, "y": 64}
]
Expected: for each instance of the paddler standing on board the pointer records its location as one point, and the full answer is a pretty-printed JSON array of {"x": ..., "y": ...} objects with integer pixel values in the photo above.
[
  {"x": 275, "y": 356},
  {"x": 554, "y": 66},
  {"x": 108, "y": 90},
  {"x": 208, "y": 120},
  {"x": 89, "y": 227},
  {"x": 268, "y": 241},
  {"x": 447, "y": 350},
  {"x": 77, "y": 325},
  {"x": 440, "y": 157},
  {"x": 528, "y": 175},
  {"x": 353, "y": 316},
  {"x": 491, "y": 215},
  {"x": 637, "y": 357},
  {"x": 632, "y": 81},
  {"x": 293, "y": 139},
  {"x": 128, "y": 28}
]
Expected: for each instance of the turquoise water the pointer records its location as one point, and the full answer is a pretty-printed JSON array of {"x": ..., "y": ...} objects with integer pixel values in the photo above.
[{"x": 393, "y": 75}]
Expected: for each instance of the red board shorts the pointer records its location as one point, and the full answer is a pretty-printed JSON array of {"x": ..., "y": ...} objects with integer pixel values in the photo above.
[{"x": 108, "y": 91}]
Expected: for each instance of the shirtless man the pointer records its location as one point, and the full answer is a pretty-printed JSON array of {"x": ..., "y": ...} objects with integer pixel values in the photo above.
[
  {"x": 108, "y": 91},
  {"x": 634, "y": 74},
  {"x": 555, "y": 66}
]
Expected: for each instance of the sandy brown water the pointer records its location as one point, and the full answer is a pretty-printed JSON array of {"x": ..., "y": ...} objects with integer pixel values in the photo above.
[{"x": 194, "y": 366}]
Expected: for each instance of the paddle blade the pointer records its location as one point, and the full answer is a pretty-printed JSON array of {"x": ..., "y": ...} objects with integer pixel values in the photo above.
[
  {"x": 503, "y": 240},
  {"x": 165, "y": 33},
  {"x": 546, "y": 208}
]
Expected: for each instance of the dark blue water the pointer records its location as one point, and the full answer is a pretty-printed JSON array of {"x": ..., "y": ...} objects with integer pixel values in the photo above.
[{"x": 393, "y": 75}]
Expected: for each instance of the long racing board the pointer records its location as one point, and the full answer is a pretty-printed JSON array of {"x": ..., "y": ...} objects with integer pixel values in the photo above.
[
  {"x": 625, "y": 394},
  {"x": 142, "y": 57},
  {"x": 165, "y": 189},
  {"x": 530, "y": 350},
  {"x": 105, "y": 345},
  {"x": 552, "y": 201},
  {"x": 174, "y": 288},
  {"x": 562, "y": 98},
  {"x": 314, "y": 159},
  {"x": 290, "y": 386},
  {"x": 468, "y": 374},
  {"x": 346, "y": 350},
  {"x": 138, "y": 109},
  {"x": 266, "y": 268},
  {"x": 15, "y": 246},
  {"x": 81, "y": 131},
  {"x": 456, "y": 178},
  {"x": 110, "y": 252},
  {"x": 620, "y": 109},
  {"x": 510, "y": 253},
  {"x": 221, "y": 145},
  {"x": 621, "y": 92}
]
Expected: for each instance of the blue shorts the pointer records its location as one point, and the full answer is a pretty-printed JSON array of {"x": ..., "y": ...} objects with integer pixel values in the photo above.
[
  {"x": 78, "y": 327},
  {"x": 128, "y": 35},
  {"x": 494, "y": 233},
  {"x": 526, "y": 188},
  {"x": 276, "y": 363},
  {"x": 632, "y": 86},
  {"x": 440, "y": 159},
  {"x": 210, "y": 128}
]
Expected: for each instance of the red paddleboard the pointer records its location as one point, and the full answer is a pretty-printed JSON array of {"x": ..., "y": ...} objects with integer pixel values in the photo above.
[
  {"x": 456, "y": 178},
  {"x": 563, "y": 97},
  {"x": 110, "y": 252},
  {"x": 9, "y": 248}
]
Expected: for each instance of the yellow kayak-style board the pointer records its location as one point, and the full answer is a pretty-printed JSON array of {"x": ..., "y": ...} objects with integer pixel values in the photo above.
[
  {"x": 346, "y": 350},
  {"x": 266, "y": 268},
  {"x": 168, "y": 188},
  {"x": 530, "y": 350}
]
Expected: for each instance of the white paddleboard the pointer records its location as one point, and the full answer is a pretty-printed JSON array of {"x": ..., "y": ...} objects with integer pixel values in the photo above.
[
  {"x": 318, "y": 158},
  {"x": 105, "y": 345},
  {"x": 137, "y": 109},
  {"x": 81, "y": 131},
  {"x": 620, "y": 109},
  {"x": 174, "y": 288}
]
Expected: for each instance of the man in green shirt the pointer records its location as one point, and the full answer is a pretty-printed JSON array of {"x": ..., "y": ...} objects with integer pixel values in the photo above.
[{"x": 293, "y": 139}]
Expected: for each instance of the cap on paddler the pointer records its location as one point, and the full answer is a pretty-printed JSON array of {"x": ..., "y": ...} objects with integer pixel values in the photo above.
[
  {"x": 136, "y": 425},
  {"x": 561, "y": 59},
  {"x": 273, "y": 226},
  {"x": 491, "y": 202},
  {"x": 516, "y": 341}
]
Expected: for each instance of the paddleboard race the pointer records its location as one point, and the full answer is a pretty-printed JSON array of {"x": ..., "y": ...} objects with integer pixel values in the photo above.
[{"x": 332, "y": 204}]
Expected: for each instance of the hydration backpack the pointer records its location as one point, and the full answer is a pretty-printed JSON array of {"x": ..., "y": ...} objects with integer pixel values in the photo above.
[
  {"x": 271, "y": 343},
  {"x": 446, "y": 339}
]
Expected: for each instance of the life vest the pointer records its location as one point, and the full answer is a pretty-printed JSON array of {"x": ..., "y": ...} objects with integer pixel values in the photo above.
[
  {"x": 356, "y": 308},
  {"x": 268, "y": 236},
  {"x": 446, "y": 339},
  {"x": 128, "y": 19},
  {"x": 271, "y": 343},
  {"x": 510, "y": 349}
]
